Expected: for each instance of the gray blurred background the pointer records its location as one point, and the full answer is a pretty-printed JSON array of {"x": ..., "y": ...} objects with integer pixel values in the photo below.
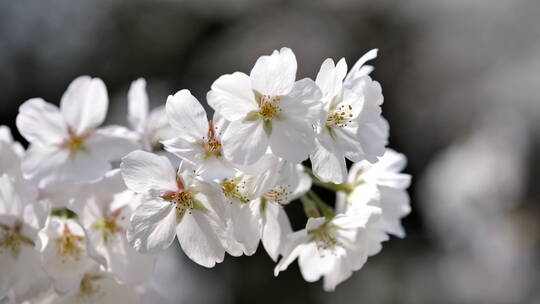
[{"x": 460, "y": 80}]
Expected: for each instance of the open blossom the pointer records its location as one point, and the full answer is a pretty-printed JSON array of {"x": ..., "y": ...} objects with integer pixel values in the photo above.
[
  {"x": 334, "y": 248},
  {"x": 174, "y": 205},
  {"x": 254, "y": 201},
  {"x": 198, "y": 140},
  {"x": 382, "y": 185},
  {"x": 21, "y": 217},
  {"x": 104, "y": 209},
  {"x": 96, "y": 286},
  {"x": 152, "y": 126},
  {"x": 66, "y": 144},
  {"x": 352, "y": 126},
  {"x": 267, "y": 109},
  {"x": 64, "y": 253}
]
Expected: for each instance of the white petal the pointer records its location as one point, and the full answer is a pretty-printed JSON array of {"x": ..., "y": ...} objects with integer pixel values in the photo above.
[
  {"x": 276, "y": 227},
  {"x": 246, "y": 225},
  {"x": 144, "y": 172},
  {"x": 395, "y": 205},
  {"x": 111, "y": 143},
  {"x": 359, "y": 70},
  {"x": 244, "y": 142},
  {"x": 127, "y": 264},
  {"x": 186, "y": 114},
  {"x": 292, "y": 139},
  {"x": 41, "y": 123},
  {"x": 328, "y": 166},
  {"x": 153, "y": 226},
  {"x": 313, "y": 265},
  {"x": 198, "y": 239},
  {"x": 232, "y": 96},
  {"x": 274, "y": 75},
  {"x": 330, "y": 77},
  {"x": 137, "y": 105},
  {"x": 84, "y": 104},
  {"x": 339, "y": 273},
  {"x": 296, "y": 242}
]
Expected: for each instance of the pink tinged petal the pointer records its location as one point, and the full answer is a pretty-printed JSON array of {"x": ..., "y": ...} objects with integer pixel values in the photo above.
[
  {"x": 41, "y": 123},
  {"x": 296, "y": 243},
  {"x": 276, "y": 227},
  {"x": 232, "y": 96},
  {"x": 186, "y": 114},
  {"x": 84, "y": 104},
  {"x": 137, "y": 105},
  {"x": 244, "y": 142},
  {"x": 198, "y": 239},
  {"x": 144, "y": 172},
  {"x": 274, "y": 75},
  {"x": 153, "y": 226},
  {"x": 330, "y": 77},
  {"x": 328, "y": 165}
]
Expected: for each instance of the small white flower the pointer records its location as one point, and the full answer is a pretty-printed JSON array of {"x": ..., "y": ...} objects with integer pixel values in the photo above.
[
  {"x": 21, "y": 217},
  {"x": 267, "y": 109},
  {"x": 382, "y": 185},
  {"x": 255, "y": 199},
  {"x": 175, "y": 204},
  {"x": 333, "y": 248},
  {"x": 64, "y": 253},
  {"x": 66, "y": 144},
  {"x": 352, "y": 126},
  {"x": 198, "y": 140},
  {"x": 96, "y": 286},
  {"x": 151, "y": 126},
  {"x": 104, "y": 209}
]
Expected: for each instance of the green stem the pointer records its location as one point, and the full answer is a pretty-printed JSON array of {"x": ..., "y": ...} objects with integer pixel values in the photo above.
[
  {"x": 310, "y": 207},
  {"x": 326, "y": 210},
  {"x": 330, "y": 186},
  {"x": 64, "y": 212}
]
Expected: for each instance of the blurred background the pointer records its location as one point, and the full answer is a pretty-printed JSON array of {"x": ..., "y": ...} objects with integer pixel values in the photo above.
[{"x": 460, "y": 80}]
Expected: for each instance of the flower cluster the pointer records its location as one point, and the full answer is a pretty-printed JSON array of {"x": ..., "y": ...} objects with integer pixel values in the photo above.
[{"x": 85, "y": 209}]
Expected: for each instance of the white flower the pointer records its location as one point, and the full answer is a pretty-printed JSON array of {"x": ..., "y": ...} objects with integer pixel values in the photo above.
[
  {"x": 104, "y": 209},
  {"x": 198, "y": 140},
  {"x": 6, "y": 136},
  {"x": 66, "y": 144},
  {"x": 96, "y": 286},
  {"x": 21, "y": 217},
  {"x": 333, "y": 248},
  {"x": 255, "y": 199},
  {"x": 64, "y": 254},
  {"x": 352, "y": 126},
  {"x": 382, "y": 185},
  {"x": 151, "y": 128},
  {"x": 267, "y": 109},
  {"x": 175, "y": 204}
]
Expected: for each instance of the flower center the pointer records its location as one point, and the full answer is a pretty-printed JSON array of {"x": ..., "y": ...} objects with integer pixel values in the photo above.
[
  {"x": 278, "y": 194},
  {"x": 88, "y": 289},
  {"x": 11, "y": 239},
  {"x": 324, "y": 239},
  {"x": 75, "y": 142},
  {"x": 108, "y": 225},
  {"x": 210, "y": 144},
  {"x": 232, "y": 188},
  {"x": 339, "y": 117},
  {"x": 182, "y": 199},
  {"x": 268, "y": 105},
  {"x": 69, "y": 245}
]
